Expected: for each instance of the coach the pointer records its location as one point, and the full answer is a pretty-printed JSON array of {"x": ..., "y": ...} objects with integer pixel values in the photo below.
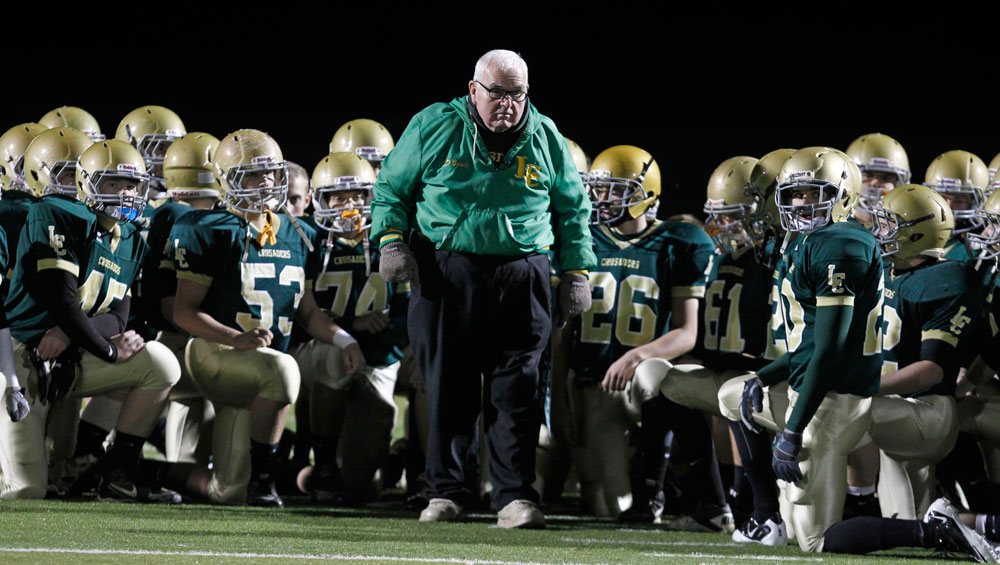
[{"x": 487, "y": 185}]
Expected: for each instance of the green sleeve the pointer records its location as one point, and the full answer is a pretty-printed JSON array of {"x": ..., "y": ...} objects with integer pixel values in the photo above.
[
  {"x": 830, "y": 347},
  {"x": 776, "y": 371},
  {"x": 571, "y": 211},
  {"x": 393, "y": 200}
]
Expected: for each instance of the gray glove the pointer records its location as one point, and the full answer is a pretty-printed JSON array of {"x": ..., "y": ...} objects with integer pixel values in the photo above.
[
  {"x": 574, "y": 297},
  {"x": 397, "y": 264},
  {"x": 17, "y": 404}
]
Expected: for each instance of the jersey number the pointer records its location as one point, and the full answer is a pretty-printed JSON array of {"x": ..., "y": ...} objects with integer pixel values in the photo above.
[
  {"x": 262, "y": 299},
  {"x": 628, "y": 310},
  {"x": 732, "y": 337},
  {"x": 91, "y": 290},
  {"x": 374, "y": 295}
]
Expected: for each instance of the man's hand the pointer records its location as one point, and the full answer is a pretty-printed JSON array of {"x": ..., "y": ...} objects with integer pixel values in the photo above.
[
  {"x": 56, "y": 377},
  {"x": 621, "y": 371},
  {"x": 53, "y": 343},
  {"x": 17, "y": 404},
  {"x": 127, "y": 344},
  {"x": 751, "y": 402},
  {"x": 397, "y": 264},
  {"x": 253, "y": 339},
  {"x": 785, "y": 452},
  {"x": 354, "y": 360},
  {"x": 574, "y": 298},
  {"x": 372, "y": 322}
]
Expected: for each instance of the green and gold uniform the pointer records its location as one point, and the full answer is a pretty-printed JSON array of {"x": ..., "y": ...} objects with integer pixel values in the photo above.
[
  {"x": 65, "y": 235},
  {"x": 13, "y": 213},
  {"x": 927, "y": 312}
]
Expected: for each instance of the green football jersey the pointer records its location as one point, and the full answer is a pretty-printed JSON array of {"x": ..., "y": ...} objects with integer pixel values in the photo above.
[
  {"x": 938, "y": 301},
  {"x": 64, "y": 234},
  {"x": 736, "y": 314},
  {"x": 955, "y": 250},
  {"x": 349, "y": 286},
  {"x": 837, "y": 265},
  {"x": 160, "y": 280},
  {"x": 250, "y": 285},
  {"x": 632, "y": 288},
  {"x": 989, "y": 342},
  {"x": 13, "y": 213}
]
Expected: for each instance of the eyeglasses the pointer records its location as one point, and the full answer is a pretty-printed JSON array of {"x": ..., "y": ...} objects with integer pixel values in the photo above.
[{"x": 500, "y": 94}]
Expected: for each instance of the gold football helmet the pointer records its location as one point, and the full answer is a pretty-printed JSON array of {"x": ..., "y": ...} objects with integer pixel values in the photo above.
[
  {"x": 961, "y": 177},
  {"x": 912, "y": 220},
  {"x": 624, "y": 182},
  {"x": 250, "y": 171},
  {"x": 187, "y": 167},
  {"x": 986, "y": 241},
  {"x": 729, "y": 203},
  {"x": 50, "y": 161},
  {"x": 13, "y": 143},
  {"x": 580, "y": 158},
  {"x": 151, "y": 130},
  {"x": 111, "y": 179},
  {"x": 76, "y": 118},
  {"x": 830, "y": 172},
  {"x": 348, "y": 178},
  {"x": 878, "y": 153},
  {"x": 367, "y": 138}
]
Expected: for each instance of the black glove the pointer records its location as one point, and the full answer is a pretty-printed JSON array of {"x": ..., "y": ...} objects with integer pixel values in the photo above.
[
  {"x": 397, "y": 264},
  {"x": 751, "y": 402},
  {"x": 574, "y": 297},
  {"x": 785, "y": 456},
  {"x": 56, "y": 377},
  {"x": 17, "y": 404}
]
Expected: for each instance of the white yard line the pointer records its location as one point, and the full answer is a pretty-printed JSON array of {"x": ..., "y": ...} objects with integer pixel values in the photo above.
[
  {"x": 273, "y": 556},
  {"x": 643, "y": 542},
  {"x": 738, "y": 558}
]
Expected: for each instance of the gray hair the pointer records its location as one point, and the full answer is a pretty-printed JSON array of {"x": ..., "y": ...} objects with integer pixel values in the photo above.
[{"x": 503, "y": 60}]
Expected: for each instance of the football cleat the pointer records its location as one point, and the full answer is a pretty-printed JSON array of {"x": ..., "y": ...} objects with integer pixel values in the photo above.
[
  {"x": 648, "y": 512},
  {"x": 121, "y": 486},
  {"x": 951, "y": 535},
  {"x": 708, "y": 518},
  {"x": 262, "y": 492},
  {"x": 327, "y": 487},
  {"x": 769, "y": 533}
]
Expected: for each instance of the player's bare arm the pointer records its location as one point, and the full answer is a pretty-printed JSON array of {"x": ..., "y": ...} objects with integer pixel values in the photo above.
[
  {"x": 189, "y": 316},
  {"x": 319, "y": 325}
]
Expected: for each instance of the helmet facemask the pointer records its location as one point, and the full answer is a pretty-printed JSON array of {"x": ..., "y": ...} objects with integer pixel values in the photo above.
[
  {"x": 726, "y": 224},
  {"x": 965, "y": 220},
  {"x": 888, "y": 227},
  {"x": 807, "y": 217},
  {"x": 612, "y": 197},
  {"x": 120, "y": 207},
  {"x": 343, "y": 219},
  {"x": 985, "y": 240},
  {"x": 257, "y": 200},
  {"x": 60, "y": 170}
]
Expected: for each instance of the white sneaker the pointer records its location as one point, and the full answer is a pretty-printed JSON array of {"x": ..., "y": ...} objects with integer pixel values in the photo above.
[
  {"x": 768, "y": 533},
  {"x": 954, "y": 536},
  {"x": 440, "y": 510}
]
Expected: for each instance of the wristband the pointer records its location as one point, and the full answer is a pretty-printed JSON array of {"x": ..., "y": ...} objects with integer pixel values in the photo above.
[{"x": 342, "y": 339}]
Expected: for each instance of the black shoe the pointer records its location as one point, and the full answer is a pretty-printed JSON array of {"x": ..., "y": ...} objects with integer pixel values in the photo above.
[
  {"x": 327, "y": 487},
  {"x": 951, "y": 535},
  {"x": 647, "y": 511},
  {"x": 261, "y": 492},
  {"x": 120, "y": 485},
  {"x": 855, "y": 506}
]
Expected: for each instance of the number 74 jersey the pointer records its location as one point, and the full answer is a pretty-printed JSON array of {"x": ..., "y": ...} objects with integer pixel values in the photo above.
[
  {"x": 250, "y": 285},
  {"x": 837, "y": 265},
  {"x": 632, "y": 290}
]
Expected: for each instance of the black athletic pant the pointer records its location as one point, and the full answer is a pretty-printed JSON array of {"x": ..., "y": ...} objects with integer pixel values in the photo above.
[{"x": 478, "y": 325}]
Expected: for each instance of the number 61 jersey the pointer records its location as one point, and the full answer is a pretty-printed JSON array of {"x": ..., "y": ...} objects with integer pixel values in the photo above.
[
  {"x": 632, "y": 288},
  {"x": 63, "y": 234},
  {"x": 250, "y": 285}
]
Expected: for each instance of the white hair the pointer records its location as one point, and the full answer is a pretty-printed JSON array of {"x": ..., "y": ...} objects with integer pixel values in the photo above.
[{"x": 502, "y": 60}]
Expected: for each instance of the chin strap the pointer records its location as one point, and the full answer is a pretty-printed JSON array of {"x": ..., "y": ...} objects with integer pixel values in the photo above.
[
  {"x": 267, "y": 233},
  {"x": 298, "y": 228}
]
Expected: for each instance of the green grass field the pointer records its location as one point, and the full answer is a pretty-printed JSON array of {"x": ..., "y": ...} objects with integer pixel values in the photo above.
[{"x": 92, "y": 532}]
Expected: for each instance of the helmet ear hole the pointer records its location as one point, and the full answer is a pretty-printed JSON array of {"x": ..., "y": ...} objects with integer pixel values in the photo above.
[
  {"x": 916, "y": 237},
  {"x": 34, "y": 175}
]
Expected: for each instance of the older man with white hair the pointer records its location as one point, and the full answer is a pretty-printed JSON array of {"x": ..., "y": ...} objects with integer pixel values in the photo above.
[{"x": 481, "y": 187}]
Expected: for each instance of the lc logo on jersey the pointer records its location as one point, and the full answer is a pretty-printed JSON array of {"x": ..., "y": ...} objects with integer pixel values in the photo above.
[
  {"x": 836, "y": 280},
  {"x": 56, "y": 241},
  {"x": 528, "y": 171}
]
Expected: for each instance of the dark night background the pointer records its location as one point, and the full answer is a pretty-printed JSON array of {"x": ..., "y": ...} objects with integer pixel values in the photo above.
[{"x": 689, "y": 90}]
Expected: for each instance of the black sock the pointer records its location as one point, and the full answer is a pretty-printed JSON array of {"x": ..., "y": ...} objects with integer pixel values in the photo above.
[
  {"x": 262, "y": 460},
  {"x": 156, "y": 471},
  {"x": 652, "y": 445},
  {"x": 755, "y": 452},
  {"x": 90, "y": 439},
  {"x": 126, "y": 449},
  {"x": 727, "y": 472},
  {"x": 865, "y": 534},
  {"x": 325, "y": 451},
  {"x": 992, "y": 529}
]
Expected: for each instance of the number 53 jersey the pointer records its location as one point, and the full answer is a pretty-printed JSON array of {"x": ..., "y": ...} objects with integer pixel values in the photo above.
[
  {"x": 837, "y": 265},
  {"x": 250, "y": 285},
  {"x": 64, "y": 234},
  {"x": 632, "y": 290}
]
